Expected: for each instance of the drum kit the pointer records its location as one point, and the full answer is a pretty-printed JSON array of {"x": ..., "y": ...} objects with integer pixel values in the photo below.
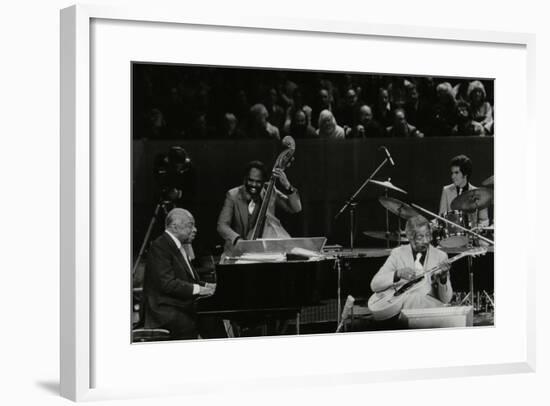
[
  {"x": 454, "y": 232},
  {"x": 456, "y": 229}
]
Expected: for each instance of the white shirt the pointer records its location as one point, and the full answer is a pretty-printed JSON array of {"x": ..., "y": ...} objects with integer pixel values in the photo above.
[{"x": 196, "y": 288}]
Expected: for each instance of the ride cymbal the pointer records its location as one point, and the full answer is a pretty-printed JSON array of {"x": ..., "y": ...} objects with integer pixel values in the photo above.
[
  {"x": 398, "y": 207},
  {"x": 472, "y": 200},
  {"x": 490, "y": 181}
]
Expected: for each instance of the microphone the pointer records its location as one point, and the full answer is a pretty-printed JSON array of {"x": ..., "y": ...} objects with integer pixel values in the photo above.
[{"x": 387, "y": 154}]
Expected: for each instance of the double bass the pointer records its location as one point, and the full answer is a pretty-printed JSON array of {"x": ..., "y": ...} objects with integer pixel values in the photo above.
[{"x": 266, "y": 225}]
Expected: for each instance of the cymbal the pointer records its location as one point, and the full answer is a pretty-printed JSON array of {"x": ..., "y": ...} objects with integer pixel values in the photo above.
[
  {"x": 388, "y": 185},
  {"x": 471, "y": 200},
  {"x": 490, "y": 181},
  {"x": 392, "y": 235},
  {"x": 397, "y": 207}
]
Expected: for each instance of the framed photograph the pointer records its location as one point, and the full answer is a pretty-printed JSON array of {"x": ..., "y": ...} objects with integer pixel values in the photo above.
[{"x": 241, "y": 205}]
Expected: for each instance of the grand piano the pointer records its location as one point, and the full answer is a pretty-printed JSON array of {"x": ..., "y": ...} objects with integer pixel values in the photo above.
[{"x": 263, "y": 279}]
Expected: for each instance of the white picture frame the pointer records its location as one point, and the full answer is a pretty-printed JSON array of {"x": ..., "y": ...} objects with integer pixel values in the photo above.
[{"x": 77, "y": 187}]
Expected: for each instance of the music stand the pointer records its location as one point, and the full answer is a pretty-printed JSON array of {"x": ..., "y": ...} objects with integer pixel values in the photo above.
[{"x": 281, "y": 245}]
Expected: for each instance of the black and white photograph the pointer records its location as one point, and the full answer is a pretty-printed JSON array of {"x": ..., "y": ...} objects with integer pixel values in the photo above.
[
  {"x": 278, "y": 202},
  {"x": 244, "y": 203}
]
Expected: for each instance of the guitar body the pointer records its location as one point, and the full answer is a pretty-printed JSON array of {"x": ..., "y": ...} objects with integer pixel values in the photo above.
[
  {"x": 388, "y": 303},
  {"x": 385, "y": 305}
]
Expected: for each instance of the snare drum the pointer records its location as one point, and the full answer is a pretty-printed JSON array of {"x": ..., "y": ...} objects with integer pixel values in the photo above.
[{"x": 452, "y": 236}]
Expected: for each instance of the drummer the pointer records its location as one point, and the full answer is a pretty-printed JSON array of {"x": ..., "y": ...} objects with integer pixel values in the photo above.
[{"x": 461, "y": 171}]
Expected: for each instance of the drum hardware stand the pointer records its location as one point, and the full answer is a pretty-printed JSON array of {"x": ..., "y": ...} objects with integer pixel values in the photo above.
[
  {"x": 388, "y": 220},
  {"x": 352, "y": 224},
  {"x": 160, "y": 205},
  {"x": 398, "y": 226},
  {"x": 489, "y": 299},
  {"x": 338, "y": 267},
  {"x": 352, "y": 201},
  {"x": 470, "y": 295}
]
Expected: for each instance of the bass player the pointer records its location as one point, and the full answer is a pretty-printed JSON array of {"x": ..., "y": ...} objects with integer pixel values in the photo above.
[{"x": 242, "y": 205}]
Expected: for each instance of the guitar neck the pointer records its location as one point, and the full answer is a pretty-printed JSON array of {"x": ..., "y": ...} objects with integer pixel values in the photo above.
[{"x": 450, "y": 261}]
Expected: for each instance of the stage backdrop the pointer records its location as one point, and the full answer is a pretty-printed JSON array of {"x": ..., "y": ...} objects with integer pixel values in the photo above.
[{"x": 325, "y": 172}]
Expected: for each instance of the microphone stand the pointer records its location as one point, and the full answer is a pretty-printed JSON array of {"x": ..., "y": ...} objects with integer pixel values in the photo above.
[{"x": 350, "y": 203}]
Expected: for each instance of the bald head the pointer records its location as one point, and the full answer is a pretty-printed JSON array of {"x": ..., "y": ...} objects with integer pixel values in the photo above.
[
  {"x": 181, "y": 224},
  {"x": 365, "y": 114}
]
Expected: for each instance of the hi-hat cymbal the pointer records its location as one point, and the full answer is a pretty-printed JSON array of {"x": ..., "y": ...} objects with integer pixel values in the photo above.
[
  {"x": 397, "y": 207},
  {"x": 475, "y": 199},
  {"x": 490, "y": 181},
  {"x": 388, "y": 185},
  {"x": 382, "y": 235}
]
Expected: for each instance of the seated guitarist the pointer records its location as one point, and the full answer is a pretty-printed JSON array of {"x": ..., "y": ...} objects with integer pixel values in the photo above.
[{"x": 407, "y": 262}]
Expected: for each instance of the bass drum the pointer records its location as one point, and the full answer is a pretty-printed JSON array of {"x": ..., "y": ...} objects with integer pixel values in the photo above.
[{"x": 451, "y": 236}]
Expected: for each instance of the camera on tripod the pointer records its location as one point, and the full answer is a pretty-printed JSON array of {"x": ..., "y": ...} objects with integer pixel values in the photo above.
[
  {"x": 172, "y": 172},
  {"x": 174, "y": 175}
]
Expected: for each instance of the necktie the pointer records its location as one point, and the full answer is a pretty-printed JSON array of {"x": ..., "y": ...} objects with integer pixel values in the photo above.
[
  {"x": 189, "y": 267},
  {"x": 417, "y": 264},
  {"x": 251, "y": 207}
]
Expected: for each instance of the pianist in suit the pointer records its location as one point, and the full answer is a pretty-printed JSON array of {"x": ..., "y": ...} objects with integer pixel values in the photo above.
[
  {"x": 171, "y": 284},
  {"x": 242, "y": 204}
]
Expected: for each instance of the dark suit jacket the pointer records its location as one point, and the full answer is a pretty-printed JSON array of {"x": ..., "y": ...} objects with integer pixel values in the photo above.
[{"x": 168, "y": 290}]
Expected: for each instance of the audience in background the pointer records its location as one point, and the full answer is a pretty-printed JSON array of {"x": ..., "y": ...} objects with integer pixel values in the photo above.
[
  {"x": 383, "y": 109},
  {"x": 298, "y": 125},
  {"x": 230, "y": 127},
  {"x": 328, "y": 128},
  {"x": 400, "y": 127},
  {"x": 465, "y": 126},
  {"x": 480, "y": 109},
  {"x": 259, "y": 126},
  {"x": 184, "y": 102},
  {"x": 276, "y": 114},
  {"x": 367, "y": 126},
  {"x": 347, "y": 112},
  {"x": 443, "y": 117},
  {"x": 322, "y": 102}
]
